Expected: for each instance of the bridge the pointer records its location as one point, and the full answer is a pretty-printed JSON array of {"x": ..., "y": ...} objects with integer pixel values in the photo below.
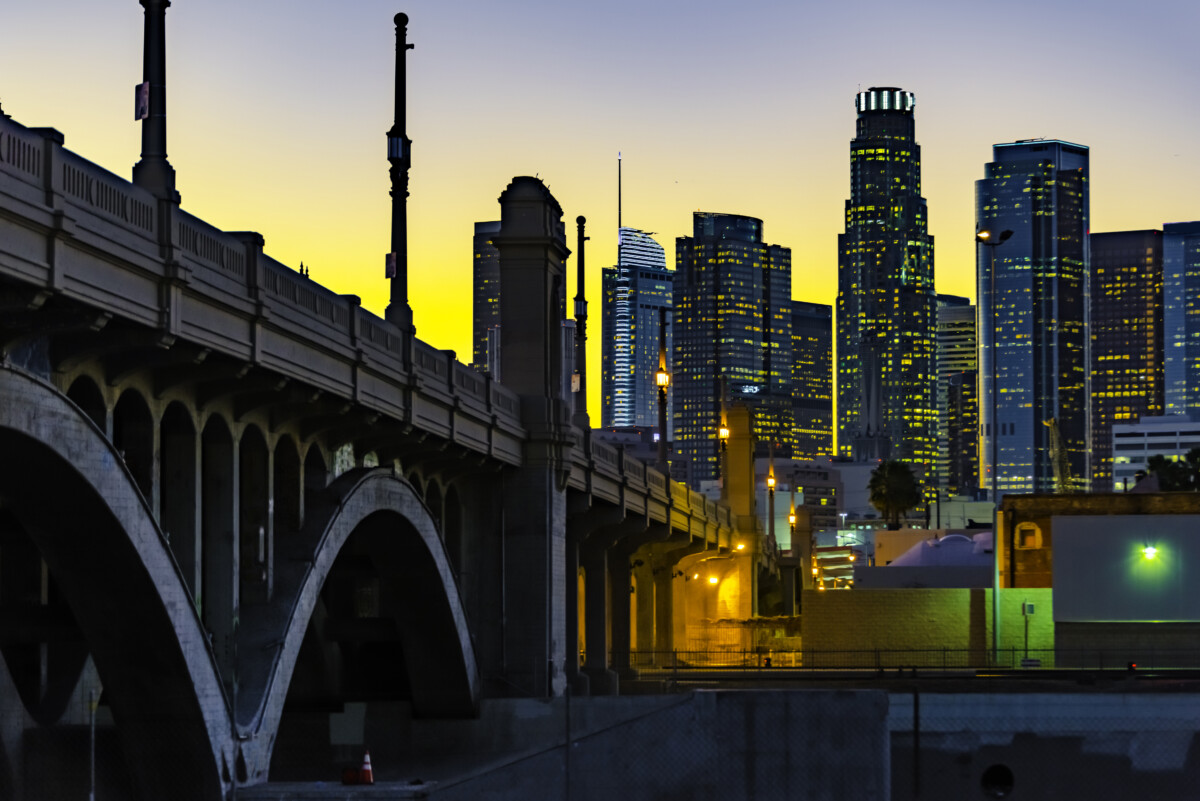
[{"x": 232, "y": 500}]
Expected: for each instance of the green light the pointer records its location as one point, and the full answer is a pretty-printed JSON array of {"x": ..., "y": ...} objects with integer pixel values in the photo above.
[{"x": 1149, "y": 551}]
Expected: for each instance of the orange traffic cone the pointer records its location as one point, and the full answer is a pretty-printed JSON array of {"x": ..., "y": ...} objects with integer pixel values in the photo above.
[{"x": 366, "y": 776}]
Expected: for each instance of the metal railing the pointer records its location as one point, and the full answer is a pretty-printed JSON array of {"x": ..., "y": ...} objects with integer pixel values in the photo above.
[{"x": 651, "y": 663}]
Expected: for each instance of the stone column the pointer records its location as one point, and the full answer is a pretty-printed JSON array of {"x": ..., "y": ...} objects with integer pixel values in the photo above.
[{"x": 532, "y": 246}]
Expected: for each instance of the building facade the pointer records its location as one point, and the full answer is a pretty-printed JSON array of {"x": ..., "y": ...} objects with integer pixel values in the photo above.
[
  {"x": 812, "y": 379},
  {"x": 886, "y": 315},
  {"x": 1170, "y": 436},
  {"x": 1181, "y": 317},
  {"x": 1033, "y": 315},
  {"x": 1126, "y": 290},
  {"x": 732, "y": 337},
  {"x": 485, "y": 311},
  {"x": 634, "y": 292},
  {"x": 957, "y": 465}
]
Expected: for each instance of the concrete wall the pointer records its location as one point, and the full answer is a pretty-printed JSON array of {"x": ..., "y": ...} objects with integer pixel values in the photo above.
[
  {"x": 922, "y": 619},
  {"x": 1117, "y": 746},
  {"x": 1102, "y": 574},
  {"x": 704, "y": 747}
]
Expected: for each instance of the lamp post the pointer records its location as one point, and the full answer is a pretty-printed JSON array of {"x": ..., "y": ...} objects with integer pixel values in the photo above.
[
  {"x": 663, "y": 379},
  {"x": 771, "y": 501},
  {"x": 992, "y": 241}
]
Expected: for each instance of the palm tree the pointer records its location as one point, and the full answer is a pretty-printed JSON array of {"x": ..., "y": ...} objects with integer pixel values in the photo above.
[{"x": 894, "y": 490}]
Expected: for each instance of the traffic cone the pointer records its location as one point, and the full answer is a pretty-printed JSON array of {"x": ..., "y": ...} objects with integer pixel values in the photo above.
[{"x": 366, "y": 776}]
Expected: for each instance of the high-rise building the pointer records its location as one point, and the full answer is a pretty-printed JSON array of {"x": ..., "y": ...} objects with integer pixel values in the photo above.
[
  {"x": 961, "y": 476},
  {"x": 1033, "y": 315},
  {"x": 1181, "y": 317},
  {"x": 812, "y": 379},
  {"x": 634, "y": 292},
  {"x": 957, "y": 464},
  {"x": 1126, "y": 290},
  {"x": 486, "y": 309},
  {"x": 733, "y": 333},
  {"x": 886, "y": 314}
]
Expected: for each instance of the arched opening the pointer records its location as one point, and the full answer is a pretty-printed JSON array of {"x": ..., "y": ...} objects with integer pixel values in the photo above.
[
  {"x": 316, "y": 476},
  {"x": 433, "y": 500},
  {"x": 86, "y": 395},
  {"x": 413, "y": 477},
  {"x": 218, "y": 597},
  {"x": 379, "y": 623},
  {"x": 286, "y": 487},
  {"x": 351, "y": 654},
  {"x": 254, "y": 496},
  {"x": 100, "y": 579},
  {"x": 178, "y": 468},
  {"x": 133, "y": 436}
]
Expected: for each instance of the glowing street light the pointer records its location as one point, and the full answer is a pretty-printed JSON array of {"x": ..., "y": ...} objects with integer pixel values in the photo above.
[{"x": 1149, "y": 552}]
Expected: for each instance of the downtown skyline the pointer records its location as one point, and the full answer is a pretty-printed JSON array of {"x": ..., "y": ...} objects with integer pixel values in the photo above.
[{"x": 284, "y": 134}]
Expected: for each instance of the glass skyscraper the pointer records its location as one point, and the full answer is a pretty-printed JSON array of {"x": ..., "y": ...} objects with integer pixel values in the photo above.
[
  {"x": 1126, "y": 290},
  {"x": 485, "y": 272},
  {"x": 812, "y": 379},
  {"x": 1033, "y": 315},
  {"x": 1181, "y": 317},
  {"x": 957, "y": 372},
  {"x": 733, "y": 333},
  {"x": 634, "y": 291},
  {"x": 886, "y": 314}
]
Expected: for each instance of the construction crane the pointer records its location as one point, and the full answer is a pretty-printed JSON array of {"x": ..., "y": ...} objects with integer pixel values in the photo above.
[{"x": 1063, "y": 483}]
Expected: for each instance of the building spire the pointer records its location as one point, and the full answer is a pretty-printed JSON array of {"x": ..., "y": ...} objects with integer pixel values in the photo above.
[
  {"x": 400, "y": 155},
  {"x": 581, "y": 414},
  {"x": 153, "y": 172}
]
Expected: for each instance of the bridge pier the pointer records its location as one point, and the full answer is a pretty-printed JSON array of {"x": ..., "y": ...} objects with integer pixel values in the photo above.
[{"x": 533, "y": 251}]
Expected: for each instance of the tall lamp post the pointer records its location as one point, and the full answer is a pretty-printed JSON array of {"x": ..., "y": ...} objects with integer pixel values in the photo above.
[
  {"x": 771, "y": 502},
  {"x": 991, "y": 241},
  {"x": 663, "y": 379}
]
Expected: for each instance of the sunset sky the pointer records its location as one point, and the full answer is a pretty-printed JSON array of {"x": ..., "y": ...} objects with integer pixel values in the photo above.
[{"x": 277, "y": 113}]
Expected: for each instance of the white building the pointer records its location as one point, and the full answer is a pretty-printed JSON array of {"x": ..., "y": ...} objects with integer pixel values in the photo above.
[{"x": 1171, "y": 436}]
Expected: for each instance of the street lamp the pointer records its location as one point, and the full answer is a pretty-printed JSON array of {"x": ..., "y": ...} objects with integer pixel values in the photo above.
[
  {"x": 992, "y": 241},
  {"x": 663, "y": 379}
]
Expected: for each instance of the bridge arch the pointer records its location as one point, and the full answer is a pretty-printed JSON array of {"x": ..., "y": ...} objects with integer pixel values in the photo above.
[
  {"x": 94, "y": 528},
  {"x": 392, "y": 525}
]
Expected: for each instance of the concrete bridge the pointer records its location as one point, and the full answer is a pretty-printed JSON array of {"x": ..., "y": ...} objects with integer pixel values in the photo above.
[{"x": 232, "y": 500}]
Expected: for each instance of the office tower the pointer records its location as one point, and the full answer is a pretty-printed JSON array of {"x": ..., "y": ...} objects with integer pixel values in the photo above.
[
  {"x": 961, "y": 476},
  {"x": 886, "y": 312},
  {"x": 486, "y": 309},
  {"x": 732, "y": 333},
  {"x": 1126, "y": 290},
  {"x": 1181, "y": 317},
  {"x": 812, "y": 379},
  {"x": 1033, "y": 348},
  {"x": 634, "y": 292},
  {"x": 956, "y": 363}
]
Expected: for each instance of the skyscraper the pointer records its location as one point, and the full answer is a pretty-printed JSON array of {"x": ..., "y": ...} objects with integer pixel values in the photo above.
[
  {"x": 1181, "y": 317},
  {"x": 957, "y": 463},
  {"x": 1126, "y": 290},
  {"x": 886, "y": 312},
  {"x": 812, "y": 379},
  {"x": 486, "y": 276},
  {"x": 732, "y": 328},
  {"x": 634, "y": 292},
  {"x": 1031, "y": 291}
]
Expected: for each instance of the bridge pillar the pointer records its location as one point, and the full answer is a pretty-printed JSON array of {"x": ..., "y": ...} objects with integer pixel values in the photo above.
[
  {"x": 598, "y": 634},
  {"x": 643, "y": 598},
  {"x": 532, "y": 247},
  {"x": 219, "y": 599}
]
